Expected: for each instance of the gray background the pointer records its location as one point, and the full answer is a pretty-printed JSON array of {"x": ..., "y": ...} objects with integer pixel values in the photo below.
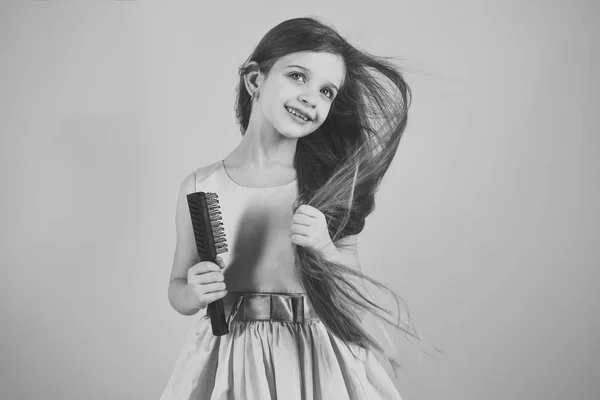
[{"x": 485, "y": 223}]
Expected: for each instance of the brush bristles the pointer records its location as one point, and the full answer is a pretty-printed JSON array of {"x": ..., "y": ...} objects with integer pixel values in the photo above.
[{"x": 214, "y": 213}]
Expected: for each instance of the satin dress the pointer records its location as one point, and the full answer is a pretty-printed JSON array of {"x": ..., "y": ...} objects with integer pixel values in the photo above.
[{"x": 277, "y": 347}]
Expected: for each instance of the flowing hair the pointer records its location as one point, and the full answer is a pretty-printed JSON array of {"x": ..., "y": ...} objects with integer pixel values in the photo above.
[{"x": 339, "y": 166}]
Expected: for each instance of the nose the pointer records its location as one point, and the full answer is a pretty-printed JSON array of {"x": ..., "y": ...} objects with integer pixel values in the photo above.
[{"x": 308, "y": 99}]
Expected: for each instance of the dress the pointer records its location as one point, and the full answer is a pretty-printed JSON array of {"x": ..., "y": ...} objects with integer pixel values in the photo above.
[{"x": 277, "y": 347}]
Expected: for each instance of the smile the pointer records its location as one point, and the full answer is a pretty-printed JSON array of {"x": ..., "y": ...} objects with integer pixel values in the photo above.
[{"x": 297, "y": 114}]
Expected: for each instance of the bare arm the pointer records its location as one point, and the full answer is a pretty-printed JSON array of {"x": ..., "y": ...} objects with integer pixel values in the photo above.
[
  {"x": 345, "y": 252},
  {"x": 186, "y": 254}
]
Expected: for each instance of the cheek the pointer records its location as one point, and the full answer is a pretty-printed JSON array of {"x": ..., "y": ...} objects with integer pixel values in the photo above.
[{"x": 323, "y": 114}]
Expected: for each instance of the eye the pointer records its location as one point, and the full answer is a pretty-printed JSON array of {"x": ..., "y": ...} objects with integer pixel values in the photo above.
[
  {"x": 331, "y": 93},
  {"x": 296, "y": 73}
]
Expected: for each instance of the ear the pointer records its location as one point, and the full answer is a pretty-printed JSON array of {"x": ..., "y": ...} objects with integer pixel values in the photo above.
[{"x": 253, "y": 78}]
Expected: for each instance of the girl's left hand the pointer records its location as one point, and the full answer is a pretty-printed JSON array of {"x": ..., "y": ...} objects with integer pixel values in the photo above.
[{"x": 309, "y": 229}]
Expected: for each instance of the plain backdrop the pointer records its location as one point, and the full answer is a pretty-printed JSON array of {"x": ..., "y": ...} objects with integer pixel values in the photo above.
[{"x": 487, "y": 223}]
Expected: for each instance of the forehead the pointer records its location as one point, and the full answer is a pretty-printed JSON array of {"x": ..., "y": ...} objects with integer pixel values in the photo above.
[{"x": 327, "y": 66}]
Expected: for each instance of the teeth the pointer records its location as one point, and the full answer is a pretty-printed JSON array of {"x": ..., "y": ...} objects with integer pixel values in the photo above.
[{"x": 291, "y": 110}]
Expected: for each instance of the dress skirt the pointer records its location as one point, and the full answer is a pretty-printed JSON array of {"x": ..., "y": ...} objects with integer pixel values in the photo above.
[{"x": 276, "y": 348}]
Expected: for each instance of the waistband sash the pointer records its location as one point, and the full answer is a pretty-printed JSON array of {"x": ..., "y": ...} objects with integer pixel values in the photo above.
[{"x": 285, "y": 307}]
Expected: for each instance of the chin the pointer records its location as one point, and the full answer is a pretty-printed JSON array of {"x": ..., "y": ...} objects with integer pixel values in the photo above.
[
  {"x": 296, "y": 133},
  {"x": 293, "y": 135}
]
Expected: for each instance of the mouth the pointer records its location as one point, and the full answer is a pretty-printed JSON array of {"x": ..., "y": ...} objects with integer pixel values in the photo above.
[{"x": 298, "y": 114}]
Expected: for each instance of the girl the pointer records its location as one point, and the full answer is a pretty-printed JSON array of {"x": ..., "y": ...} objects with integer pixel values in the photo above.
[{"x": 319, "y": 131}]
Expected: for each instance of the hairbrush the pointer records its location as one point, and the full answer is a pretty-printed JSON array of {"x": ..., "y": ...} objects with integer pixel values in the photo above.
[{"x": 210, "y": 241}]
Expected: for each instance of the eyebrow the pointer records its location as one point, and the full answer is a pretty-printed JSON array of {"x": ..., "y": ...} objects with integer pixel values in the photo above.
[{"x": 308, "y": 70}]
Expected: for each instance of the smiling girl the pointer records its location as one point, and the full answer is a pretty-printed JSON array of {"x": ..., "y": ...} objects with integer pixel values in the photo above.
[{"x": 319, "y": 131}]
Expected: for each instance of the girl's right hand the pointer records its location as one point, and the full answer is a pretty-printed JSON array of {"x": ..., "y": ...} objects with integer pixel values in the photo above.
[{"x": 206, "y": 283}]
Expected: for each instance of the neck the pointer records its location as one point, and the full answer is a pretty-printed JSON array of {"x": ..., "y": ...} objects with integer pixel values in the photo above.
[{"x": 263, "y": 146}]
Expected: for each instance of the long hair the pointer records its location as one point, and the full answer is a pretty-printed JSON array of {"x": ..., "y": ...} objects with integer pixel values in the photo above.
[{"x": 339, "y": 166}]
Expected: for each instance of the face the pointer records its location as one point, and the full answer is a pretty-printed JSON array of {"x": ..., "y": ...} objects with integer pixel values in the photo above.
[{"x": 304, "y": 84}]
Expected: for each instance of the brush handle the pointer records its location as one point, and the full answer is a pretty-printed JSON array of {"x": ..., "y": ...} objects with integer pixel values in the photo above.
[{"x": 216, "y": 311}]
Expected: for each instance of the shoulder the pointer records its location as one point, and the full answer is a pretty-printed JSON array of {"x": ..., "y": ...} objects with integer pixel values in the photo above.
[
  {"x": 207, "y": 168},
  {"x": 188, "y": 185},
  {"x": 191, "y": 181},
  {"x": 205, "y": 171}
]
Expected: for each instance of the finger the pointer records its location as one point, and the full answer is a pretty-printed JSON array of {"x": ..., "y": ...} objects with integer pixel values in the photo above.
[
  {"x": 214, "y": 287},
  {"x": 308, "y": 210},
  {"x": 301, "y": 230},
  {"x": 300, "y": 240},
  {"x": 303, "y": 219},
  {"x": 220, "y": 262},
  {"x": 204, "y": 267},
  {"x": 209, "y": 277},
  {"x": 214, "y": 296},
  {"x": 313, "y": 213}
]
